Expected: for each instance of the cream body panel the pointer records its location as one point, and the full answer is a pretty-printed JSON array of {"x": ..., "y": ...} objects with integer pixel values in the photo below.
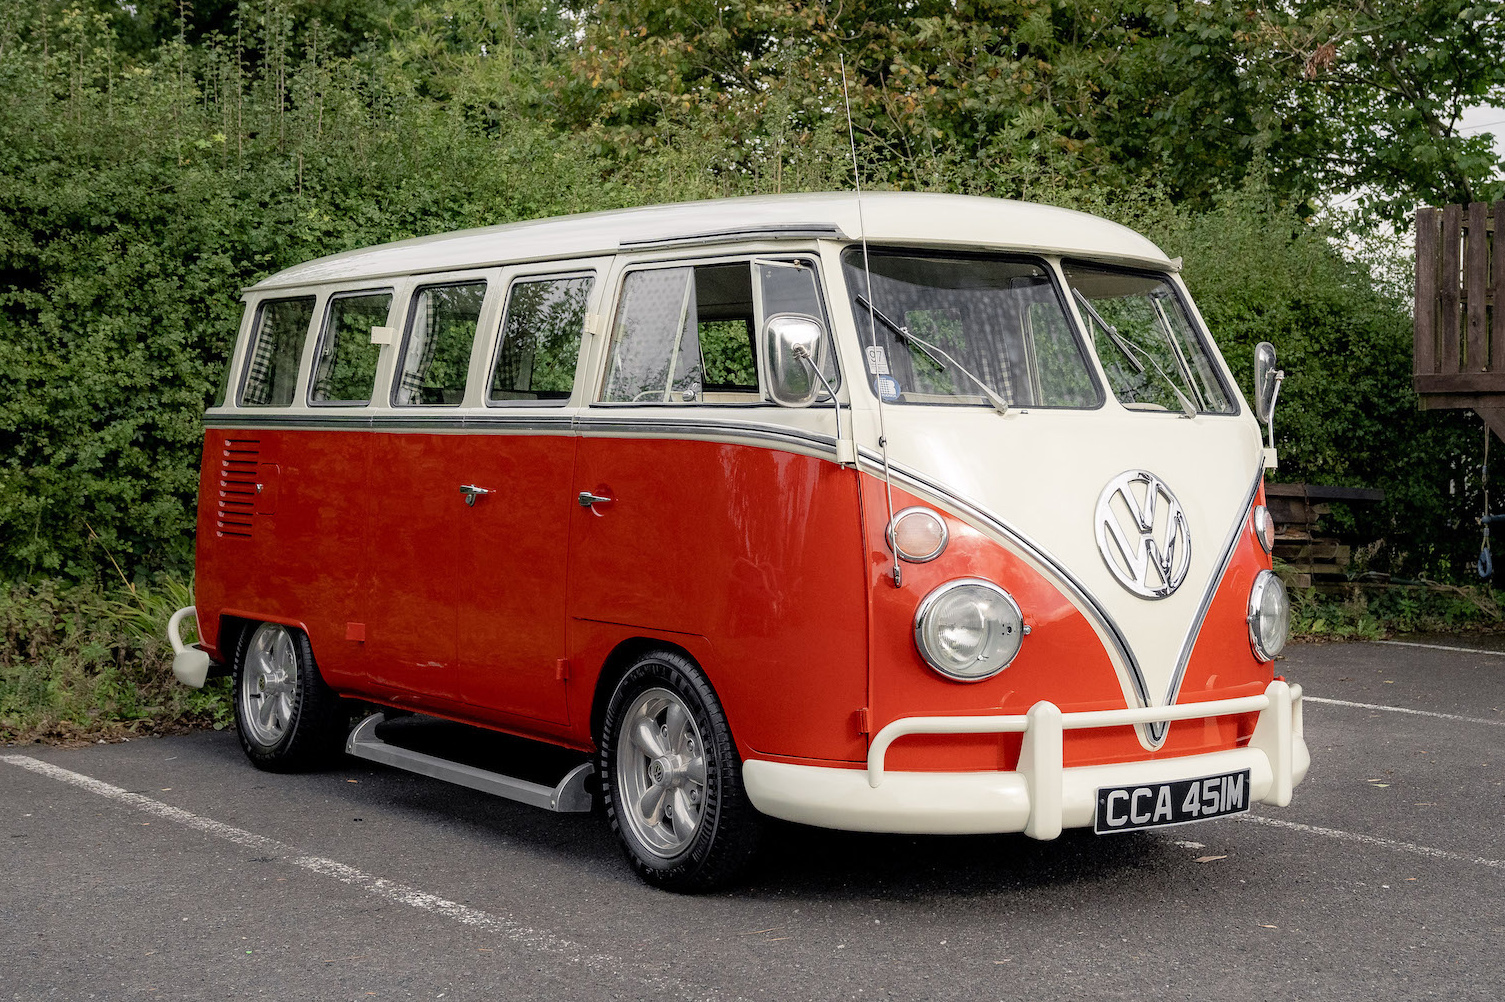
[{"x": 1042, "y": 472}]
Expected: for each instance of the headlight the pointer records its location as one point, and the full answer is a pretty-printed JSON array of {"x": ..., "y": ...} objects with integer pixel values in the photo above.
[
  {"x": 1264, "y": 528},
  {"x": 1269, "y": 616},
  {"x": 969, "y": 629},
  {"x": 917, "y": 535}
]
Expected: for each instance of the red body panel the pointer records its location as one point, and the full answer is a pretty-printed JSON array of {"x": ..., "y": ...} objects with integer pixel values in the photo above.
[
  {"x": 1062, "y": 660},
  {"x": 755, "y": 550},
  {"x": 770, "y": 568}
]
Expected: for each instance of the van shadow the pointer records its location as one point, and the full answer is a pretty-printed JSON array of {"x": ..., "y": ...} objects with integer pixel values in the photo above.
[
  {"x": 855, "y": 865},
  {"x": 794, "y": 860}
]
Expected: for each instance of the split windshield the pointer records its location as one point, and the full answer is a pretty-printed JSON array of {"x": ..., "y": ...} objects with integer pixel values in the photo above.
[
  {"x": 1146, "y": 341},
  {"x": 982, "y": 330}
]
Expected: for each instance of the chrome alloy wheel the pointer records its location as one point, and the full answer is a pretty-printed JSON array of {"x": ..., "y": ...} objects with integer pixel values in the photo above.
[
  {"x": 661, "y": 772},
  {"x": 269, "y": 684}
]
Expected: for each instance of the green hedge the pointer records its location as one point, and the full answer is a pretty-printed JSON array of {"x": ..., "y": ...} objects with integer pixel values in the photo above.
[{"x": 139, "y": 194}]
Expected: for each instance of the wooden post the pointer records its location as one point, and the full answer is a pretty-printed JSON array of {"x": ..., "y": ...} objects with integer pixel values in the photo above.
[
  {"x": 1427, "y": 222},
  {"x": 1475, "y": 278},
  {"x": 1448, "y": 286},
  {"x": 1497, "y": 287}
]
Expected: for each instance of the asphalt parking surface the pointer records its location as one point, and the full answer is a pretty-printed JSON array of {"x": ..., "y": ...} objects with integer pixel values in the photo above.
[{"x": 210, "y": 880}]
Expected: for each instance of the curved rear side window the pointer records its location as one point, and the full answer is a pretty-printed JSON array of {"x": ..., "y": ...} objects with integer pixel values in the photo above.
[
  {"x": 946, "y": 329},
  {"x": 271, "y": 375}
]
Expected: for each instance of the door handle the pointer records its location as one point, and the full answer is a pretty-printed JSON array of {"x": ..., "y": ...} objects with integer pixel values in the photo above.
[
  {"x": 471, "y": 492},
  {"x": 587, "y": 499}
]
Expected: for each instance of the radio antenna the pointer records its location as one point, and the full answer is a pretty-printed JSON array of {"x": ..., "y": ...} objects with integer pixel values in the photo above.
[{"x": 872, "y": 323}]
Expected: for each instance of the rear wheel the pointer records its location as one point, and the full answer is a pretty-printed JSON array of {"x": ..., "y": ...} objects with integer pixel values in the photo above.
[
  {"x": 288, "y": 719},
  {"x": 671, "y": 779}
]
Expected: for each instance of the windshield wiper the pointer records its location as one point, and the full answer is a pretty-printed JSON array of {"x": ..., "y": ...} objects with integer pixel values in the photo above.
[
  {"x": 930, "y": 351},
  {"x": 1170, "y": 336},
  {"x": 1128, "y": 348}
]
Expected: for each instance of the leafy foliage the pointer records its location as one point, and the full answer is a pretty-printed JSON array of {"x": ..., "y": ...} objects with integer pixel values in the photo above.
[
  {"x": 154, "y": 159},
  {"x": 76, "y": 661}
]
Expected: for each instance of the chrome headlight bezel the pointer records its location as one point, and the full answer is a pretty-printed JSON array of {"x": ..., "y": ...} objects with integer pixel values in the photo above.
[
  {"x": 917, "y": 511},
  {"x": 1005, "y": 636},
  {"x": 1264, "y": 528},
  {"x": 1263, "y": 585}
]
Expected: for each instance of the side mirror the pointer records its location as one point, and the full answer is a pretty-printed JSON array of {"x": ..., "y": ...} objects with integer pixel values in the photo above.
[
  {"x": 788, "y": 341},
  {"x": 1266, "y": 381}
]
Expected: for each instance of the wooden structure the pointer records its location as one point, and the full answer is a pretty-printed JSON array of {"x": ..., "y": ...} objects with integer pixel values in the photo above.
[
  {"x": 1460, "y": 329},
  {"x": 1311, "y": 559}
]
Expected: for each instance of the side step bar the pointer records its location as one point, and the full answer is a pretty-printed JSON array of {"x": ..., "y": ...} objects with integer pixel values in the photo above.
[{"x": 569, "y": 796}]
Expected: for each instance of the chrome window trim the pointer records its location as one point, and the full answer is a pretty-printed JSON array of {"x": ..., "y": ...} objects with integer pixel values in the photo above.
[
  {"x": 618, "y": 279},
  {"x": 253, "y": 336},
  {"x": 411, "y": 309},
  {"x": 1085, "y": 349},
  {"x": 581, "y": 360},
  {"x": 1171, "y": 278},
  {"x": 323, "y": 335},
  {"x": 772, "y": 231}
]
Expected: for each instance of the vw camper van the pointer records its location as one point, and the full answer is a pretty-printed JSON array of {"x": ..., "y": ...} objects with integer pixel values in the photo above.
[{"x": 893, "y": 512}]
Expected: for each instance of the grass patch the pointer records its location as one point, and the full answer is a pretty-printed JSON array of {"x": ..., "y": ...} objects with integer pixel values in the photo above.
[
  {"x": 79, "y": 663},
  {"x": 1372, "y": 612}
]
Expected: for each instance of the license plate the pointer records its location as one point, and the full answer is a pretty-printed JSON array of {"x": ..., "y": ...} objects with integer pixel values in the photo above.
[{"x": 1155, "y": 805}]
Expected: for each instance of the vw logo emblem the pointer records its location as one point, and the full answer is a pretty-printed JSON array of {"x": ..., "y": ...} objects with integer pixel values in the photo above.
[{"x": 1142, "y": 534}]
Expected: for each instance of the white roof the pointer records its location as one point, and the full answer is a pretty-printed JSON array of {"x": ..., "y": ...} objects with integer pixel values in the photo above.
[{"x": 887, "y": 216}]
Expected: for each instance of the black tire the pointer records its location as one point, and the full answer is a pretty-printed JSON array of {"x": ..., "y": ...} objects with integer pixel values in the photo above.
[
  {"x": 306, "y": 721},
  {"x": 718, "y": 846}
]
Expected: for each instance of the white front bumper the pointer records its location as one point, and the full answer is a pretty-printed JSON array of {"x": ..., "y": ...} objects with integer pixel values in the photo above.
[{"x": 1041, "y": 797}]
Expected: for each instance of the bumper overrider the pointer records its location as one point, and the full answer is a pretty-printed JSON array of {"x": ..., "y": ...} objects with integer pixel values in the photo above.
[{"x": 1040, "y": 797}]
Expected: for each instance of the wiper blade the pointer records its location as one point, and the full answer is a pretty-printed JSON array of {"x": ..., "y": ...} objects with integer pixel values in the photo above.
[
  {"x": 930, "y": 351},
  {"x": 1128, "y": 348},
  {"x": 1109, "y": 329}
]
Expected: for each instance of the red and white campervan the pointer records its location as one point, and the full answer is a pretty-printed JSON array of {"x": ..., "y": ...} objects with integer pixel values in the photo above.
[{"x": 913, "y": 513}]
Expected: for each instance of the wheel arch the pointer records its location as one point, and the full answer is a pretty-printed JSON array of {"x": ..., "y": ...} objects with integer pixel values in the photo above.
[{"x": 618, "y": 661}]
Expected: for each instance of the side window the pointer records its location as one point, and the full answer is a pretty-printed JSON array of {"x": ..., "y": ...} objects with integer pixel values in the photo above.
[
  {"x": 650, "y": 358},
  {"x": 786, "y": 289},
  {"x": 345, "y": 367},
  {"x": 540, "y": 344},
  {"x": 688, "y": 335},
  {"x": 271, "y": 374},
  {"x": 436, "y": 348}
]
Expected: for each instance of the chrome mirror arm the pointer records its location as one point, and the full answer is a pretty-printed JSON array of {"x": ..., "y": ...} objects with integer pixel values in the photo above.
[
  {"x": 846, "y": 449},
  {"x": 1279, "y": 375}
]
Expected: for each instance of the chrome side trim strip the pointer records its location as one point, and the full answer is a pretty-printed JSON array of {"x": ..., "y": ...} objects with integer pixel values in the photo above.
[
  {"x": 557, "y": 422},
  {"x": 777, "y": 231},
  {"x": 715, "y": 431},
  {"x": 1085, "y": 599},
  {"x": 1158, "y": 731}
]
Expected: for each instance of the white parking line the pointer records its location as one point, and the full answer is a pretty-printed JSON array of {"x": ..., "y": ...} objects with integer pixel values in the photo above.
[
  {"x": 1441, "y": 647},
  {"x": 1403, "y": 709},
  {"x": 1383, "y": 843},
  {"x": 540, "y": 940}
]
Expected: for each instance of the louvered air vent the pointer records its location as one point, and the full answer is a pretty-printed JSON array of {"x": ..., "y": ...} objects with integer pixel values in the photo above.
[{"x": 237, "y": 486}]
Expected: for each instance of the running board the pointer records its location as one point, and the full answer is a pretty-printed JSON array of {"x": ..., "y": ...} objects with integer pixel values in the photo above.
[{"x": 569, "y": 796}]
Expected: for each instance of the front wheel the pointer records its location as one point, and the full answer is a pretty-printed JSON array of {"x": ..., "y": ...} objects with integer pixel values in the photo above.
[
  {"x": 288, "y": 718},
  {"x": 671, "y": 779}
]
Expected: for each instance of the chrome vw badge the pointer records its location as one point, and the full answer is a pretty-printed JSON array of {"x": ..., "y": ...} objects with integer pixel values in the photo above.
[{"x": 1142, "y": 534}]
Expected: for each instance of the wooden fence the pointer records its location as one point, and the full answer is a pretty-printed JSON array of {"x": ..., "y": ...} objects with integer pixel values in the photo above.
[{"x": 1460, "y": 332}]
